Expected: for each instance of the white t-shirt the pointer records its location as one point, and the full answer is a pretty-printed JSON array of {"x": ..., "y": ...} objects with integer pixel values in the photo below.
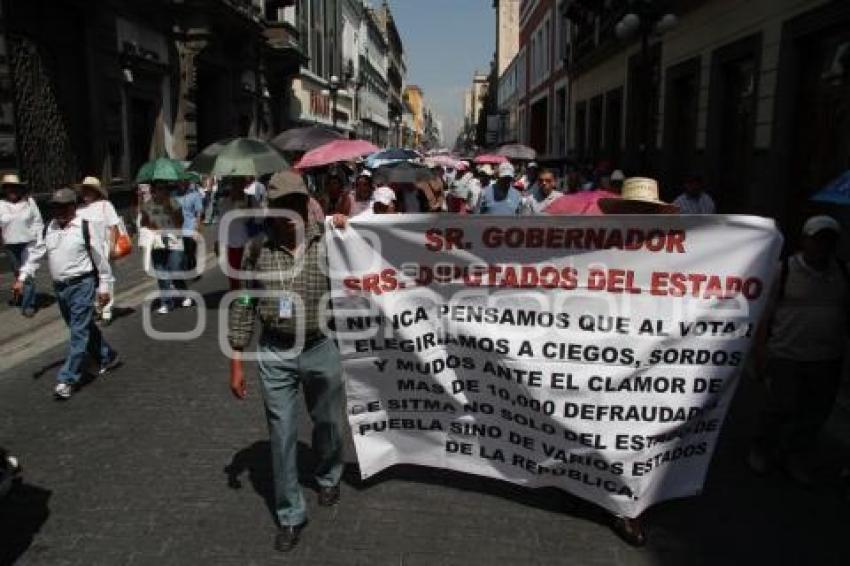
[
  {"x": 20, "y": 221},
  {"x": 103, "y": 214}
]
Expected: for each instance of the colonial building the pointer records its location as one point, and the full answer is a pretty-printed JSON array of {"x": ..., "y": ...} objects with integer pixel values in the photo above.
[
  {"x": 373, "y": 84},
  {"x": 754, "y": 95},
  {"x": 507, "y": 33},
  {"x": 100, "y": 86},
  {"x": 396, "y": 68}
]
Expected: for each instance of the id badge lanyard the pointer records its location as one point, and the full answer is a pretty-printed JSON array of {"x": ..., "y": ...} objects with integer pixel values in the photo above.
[{"x": 285, "y": 305}]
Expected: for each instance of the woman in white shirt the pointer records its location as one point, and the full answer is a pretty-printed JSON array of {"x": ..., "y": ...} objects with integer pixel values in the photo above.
[
  {"x": 163, "y": 215},
  {"x": 97, "y": 209},
  {"x": 21, "y": 226}
]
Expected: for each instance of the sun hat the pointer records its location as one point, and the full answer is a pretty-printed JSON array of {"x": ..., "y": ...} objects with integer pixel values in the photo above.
[
  {"x": 638, "y": 194},
  {"x": 820, "y": 223},
  {"x": 384, "y": 195},
  {"x": 284, "y": 183},
  {"x": 92, "y": 183},
  {"x": 506, "y": 170},
  {"x": 11, "y": 179},
  {"x": 487, "y": 169},
  {"x": 64, "y": 195}
]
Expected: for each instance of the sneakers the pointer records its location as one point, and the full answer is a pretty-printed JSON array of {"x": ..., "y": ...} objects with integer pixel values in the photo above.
[
  {"x": 163, "y": 309},
  {"x": 187, "y": 302},
  {"x": 63, "y": 391},
  {"x": 110, "y": 365}
]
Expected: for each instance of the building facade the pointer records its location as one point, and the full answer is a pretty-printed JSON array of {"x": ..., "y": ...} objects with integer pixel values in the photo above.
[
  {"x": 102, "y": 86},
  {"x": 372, "y": 83},
  {"x": 507, "y": 33},
  {"x": 396, "y": 69}
]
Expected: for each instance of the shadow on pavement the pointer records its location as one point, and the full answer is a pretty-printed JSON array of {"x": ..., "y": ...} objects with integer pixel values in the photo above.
[
  {"x": 213, "y": 300},
  {"x": 22, "y": 514}
]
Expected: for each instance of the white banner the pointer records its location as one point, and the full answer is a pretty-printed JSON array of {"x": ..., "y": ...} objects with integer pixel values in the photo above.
[{"x": 595, "y": 354}]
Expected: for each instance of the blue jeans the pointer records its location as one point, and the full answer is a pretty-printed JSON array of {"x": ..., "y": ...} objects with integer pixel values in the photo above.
[
  {"x": 76, "y": 303},
  {"x": 16, "y": 255},
  {"x": 319, "y": 370},
  {"x": 169, "y": 261}
]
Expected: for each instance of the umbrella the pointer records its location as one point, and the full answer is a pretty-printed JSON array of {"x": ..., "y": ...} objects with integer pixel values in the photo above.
[
  {"x": 580, "y": 204},
  {"x": 335, "y": 152},
  {"x": 517, "y": 151},
  {"x": 443, "y": 161},
  {"x": 304, "y": 139},
  {"x": 837, "y": 192},
  {"x": 390, "y": 156},
  {"x": 192, "y": 176},
  {"x": 162, "y": 169},
  {"x": 239, "y": 157},
  {"x": 490, "y": 159}
]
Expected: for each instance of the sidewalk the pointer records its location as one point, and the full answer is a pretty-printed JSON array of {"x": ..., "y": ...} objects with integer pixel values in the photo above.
[{"x": 157, "y": 464}]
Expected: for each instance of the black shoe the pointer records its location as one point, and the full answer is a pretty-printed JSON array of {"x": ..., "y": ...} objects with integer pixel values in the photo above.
[
  {"x": 329, "y": 496},
  {"x": 287, "y": 537}
]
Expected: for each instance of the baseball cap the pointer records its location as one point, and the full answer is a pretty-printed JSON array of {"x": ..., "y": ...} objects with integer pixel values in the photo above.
[
  {"x": 286, "y": 183},
  {"x": 817, "y": 224},
  {"x": 63, "y": 196},
  {"x": 533, "y": 165},
  {"x": 618, "y": 175},
  {"x": 365, "y": 173},
  {"x": 506, "y": 170},
  {"x": 384, "y": 195}
]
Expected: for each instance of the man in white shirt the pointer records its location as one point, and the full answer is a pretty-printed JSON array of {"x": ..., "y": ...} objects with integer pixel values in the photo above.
[
  {"x": 97, "y": 209},
  {"x": 80, "y": 271},
  {"x": 542, "y": 195},
  {"x": 20, "y": 226},
  {"x": 695, "y": 200}
]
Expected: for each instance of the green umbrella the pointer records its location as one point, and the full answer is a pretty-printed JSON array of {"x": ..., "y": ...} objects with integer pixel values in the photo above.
[
  {"x": 162, "y": 169},
  {"x": 192, "y": 176},
  {"x": 239, "y": 157}
]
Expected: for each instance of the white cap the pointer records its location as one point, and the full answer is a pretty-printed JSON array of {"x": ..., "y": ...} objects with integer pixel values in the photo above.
[
  {"x": 618, "y": 175},
  {"x": 506, "y": 170},
  {"x": 365, "y": 173},
  {"x": 533, "y": 165},
  {"x": 816, "y": 224},
  {"x": 384, "y": 195}
]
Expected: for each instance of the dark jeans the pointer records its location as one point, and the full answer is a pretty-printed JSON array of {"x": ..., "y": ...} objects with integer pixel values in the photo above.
[
  {"x": 167, "y": 262},
  {"x": 190, "y": 247},
  {"x": 76, "y": 303},
  {"x": 16, "y": 256},
  {"x": 799, "y": 400}
]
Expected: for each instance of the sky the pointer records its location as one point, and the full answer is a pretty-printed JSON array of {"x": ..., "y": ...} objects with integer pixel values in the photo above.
[{"x": 445, "y": 42}]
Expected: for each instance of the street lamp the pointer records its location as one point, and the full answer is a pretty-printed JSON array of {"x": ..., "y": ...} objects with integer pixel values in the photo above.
[
  {"x": 647, "y": 18},
  {"x": 332, "y": 91}
]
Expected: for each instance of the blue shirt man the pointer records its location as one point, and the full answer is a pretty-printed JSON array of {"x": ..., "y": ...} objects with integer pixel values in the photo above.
[
  {"x": 192, "y": 204},
  {"x": 500, "y": 198}
]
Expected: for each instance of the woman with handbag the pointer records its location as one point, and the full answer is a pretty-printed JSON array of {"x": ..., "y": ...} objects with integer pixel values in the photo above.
[
  {"x": 21, "y": 225},
  {"x": 164, "y": 217},
  {"x": 97, "y": 209}
]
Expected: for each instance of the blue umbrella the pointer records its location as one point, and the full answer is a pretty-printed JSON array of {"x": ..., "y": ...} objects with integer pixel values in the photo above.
[
  {"x": 389, "y": 156},
  {"x": 837, "y": 192}
]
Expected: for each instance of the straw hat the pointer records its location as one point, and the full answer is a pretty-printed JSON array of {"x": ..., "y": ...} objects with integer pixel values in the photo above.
[
  {"x": 11, "y": 179},
  {"x": 92, "y": 183},
  {"x": 639, "y": 196}
]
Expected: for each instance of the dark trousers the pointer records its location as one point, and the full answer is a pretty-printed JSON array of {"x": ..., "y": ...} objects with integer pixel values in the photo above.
[
  {"x": 190, "y": 247},
  {"x": 16, "y": 256},
  {"x": 799, "y": 401}
]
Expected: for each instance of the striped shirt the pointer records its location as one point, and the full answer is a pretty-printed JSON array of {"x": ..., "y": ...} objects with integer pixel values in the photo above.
[{"x": 298, "y": 280}]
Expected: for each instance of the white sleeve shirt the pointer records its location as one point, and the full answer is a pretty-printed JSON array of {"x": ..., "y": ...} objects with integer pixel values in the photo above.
[
  {"x": 20, "y": 221},
  {"x": 66, "y": 253}
]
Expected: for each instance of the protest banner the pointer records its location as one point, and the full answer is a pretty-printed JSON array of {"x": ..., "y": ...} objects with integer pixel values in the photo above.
[{"x": 595, "y": 354}]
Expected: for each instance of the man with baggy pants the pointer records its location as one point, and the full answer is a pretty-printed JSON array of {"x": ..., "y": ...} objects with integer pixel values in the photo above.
[{"x": 292, "y": 268}]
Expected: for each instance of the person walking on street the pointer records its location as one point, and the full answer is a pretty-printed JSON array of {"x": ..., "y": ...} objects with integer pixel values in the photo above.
[
  {"x": 80, "y": 273},
  {"x": 500, "y": 197},
  {"x": 20, "y": 225},
  {"x": 192, "y": 206},
  {"x": 164, "y": 216},
  {"x": 296, "y": 272},
  {"x": 695, "y": 200},
  {"x": 800, "y": 349},
  {"x": 97, "y": 209}
]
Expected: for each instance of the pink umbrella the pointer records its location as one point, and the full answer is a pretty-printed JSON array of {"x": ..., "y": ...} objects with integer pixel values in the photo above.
[
  {"x": 490, "y": 159},
  {"x": 579, "y": 204},
  {"x": 335, "y": 152},
  {"x": 446, "y": 161}
]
